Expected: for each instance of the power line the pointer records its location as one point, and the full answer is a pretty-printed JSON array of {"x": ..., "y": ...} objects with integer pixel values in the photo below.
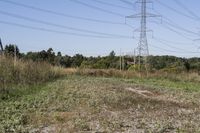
[
  {"x": 58, "y": 13},
  {"x": 97, "y": 8},
  {"x": 175, "y": 10},
  {"x": 180, "y": 28},
  {"x": 181, "y": 43},
  {"x": 133, "y": 4},
  {"x": 112, "y": 5},
  {"x": 175, "y": 31},
  {"x": 187, "y": 9},
  {"x": 164, "y": 50},
  {"x": 167, "y": 50},
  {"x": 171, "y": 46},
  {"x": 57, "y": 25},
  {"x": 174, "y": 25},
  {"x": 54, "y": 31},
  {"x": 178, "y": 33},
  {"x": 127, "y": 2}
]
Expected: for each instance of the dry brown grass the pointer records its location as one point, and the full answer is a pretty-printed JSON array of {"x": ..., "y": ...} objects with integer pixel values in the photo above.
[
  {"x": 191, "y": 77},
  {"x": 25, "y": 72},
  {"x": 102, "y": 72}
]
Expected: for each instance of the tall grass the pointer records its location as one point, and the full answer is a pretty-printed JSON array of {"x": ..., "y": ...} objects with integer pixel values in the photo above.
[
  {"x": 183, "y": 76},
  {"x": 25, "y": 72}
]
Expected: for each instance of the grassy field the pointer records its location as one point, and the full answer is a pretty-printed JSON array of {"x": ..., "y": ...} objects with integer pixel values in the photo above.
[{"x": 78, "y": 103}]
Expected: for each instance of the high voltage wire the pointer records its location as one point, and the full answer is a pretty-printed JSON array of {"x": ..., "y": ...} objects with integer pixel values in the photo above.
[
  {"x": 171, "y": 46},
  {"x": 175, "y": 10},
  {"x": 180, "y": 43},
  {"x": 97, "y": 8},
  {"x": 58, "y": 13},
  {"x": 175, "y": 31},
  {"x": 164, "y": 50},
  {"x": 173, "y": 24},
  {"x": 54, "y": 31},
  {"x": 173, "y": 51},
  {"x": 186, "y": 9},
  {"x": 170, "y": 27},
  {"x": 180, "y": 28},
  {"x": 178, "y": 33},
  {"x": 127, "y": 2},
  {"x": 112, "y": 5},
  {"x": 57, "y": 25}
]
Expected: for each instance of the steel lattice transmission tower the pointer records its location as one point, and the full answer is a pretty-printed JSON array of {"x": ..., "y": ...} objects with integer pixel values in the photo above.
[
  {"x": 1, "y": 47},
  {"x": 143, "y": 48}
]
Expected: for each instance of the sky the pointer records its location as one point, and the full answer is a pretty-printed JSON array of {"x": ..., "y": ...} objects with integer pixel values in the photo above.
[{"x": 174, "y": 31}]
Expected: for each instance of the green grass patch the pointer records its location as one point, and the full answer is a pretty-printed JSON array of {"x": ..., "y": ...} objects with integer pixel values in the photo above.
[{"x": 163, "y": 83}]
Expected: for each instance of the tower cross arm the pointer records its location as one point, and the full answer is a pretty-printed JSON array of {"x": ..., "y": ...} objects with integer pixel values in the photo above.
[
  {"x": 139, "y": 30},
  {"x": 139, "y": 15},
  {"x": 141, "y": 1}
]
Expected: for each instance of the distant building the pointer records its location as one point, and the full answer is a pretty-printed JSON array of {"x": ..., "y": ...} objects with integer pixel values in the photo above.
[{"x": 130, "y": 63}]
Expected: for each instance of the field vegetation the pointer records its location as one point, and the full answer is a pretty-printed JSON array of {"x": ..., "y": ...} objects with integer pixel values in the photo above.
[
  {"x": 41, "y": 95},
  {"x": 99, "y": 104}
]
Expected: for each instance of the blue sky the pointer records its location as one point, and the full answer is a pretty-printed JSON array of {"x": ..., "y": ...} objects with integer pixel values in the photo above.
[{"x": 162, "y": 41}]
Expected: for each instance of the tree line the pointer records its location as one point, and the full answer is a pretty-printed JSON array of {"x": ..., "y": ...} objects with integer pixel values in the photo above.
[{"x": 111, "y": 61}]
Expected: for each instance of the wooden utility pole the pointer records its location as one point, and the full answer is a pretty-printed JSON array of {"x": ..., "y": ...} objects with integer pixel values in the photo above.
[
  {"x": 123, "y": 62},
  {"x": 15, "y": 55},
  {"x": 120, "y": 60},
  {"x": 134, "y": 59}
]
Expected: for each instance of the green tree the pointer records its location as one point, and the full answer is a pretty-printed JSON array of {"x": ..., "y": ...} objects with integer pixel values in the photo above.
[
  {"x": 112, "y": 55},
  {"x": 11, "y": 49},
  {"x": 51, "y": 56},
  {"x": 77, "y": 60},
  {"x": 187, "y": 66},
  {"x": 66, "y": 61},
  {"x": 59, "y": 54}
]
